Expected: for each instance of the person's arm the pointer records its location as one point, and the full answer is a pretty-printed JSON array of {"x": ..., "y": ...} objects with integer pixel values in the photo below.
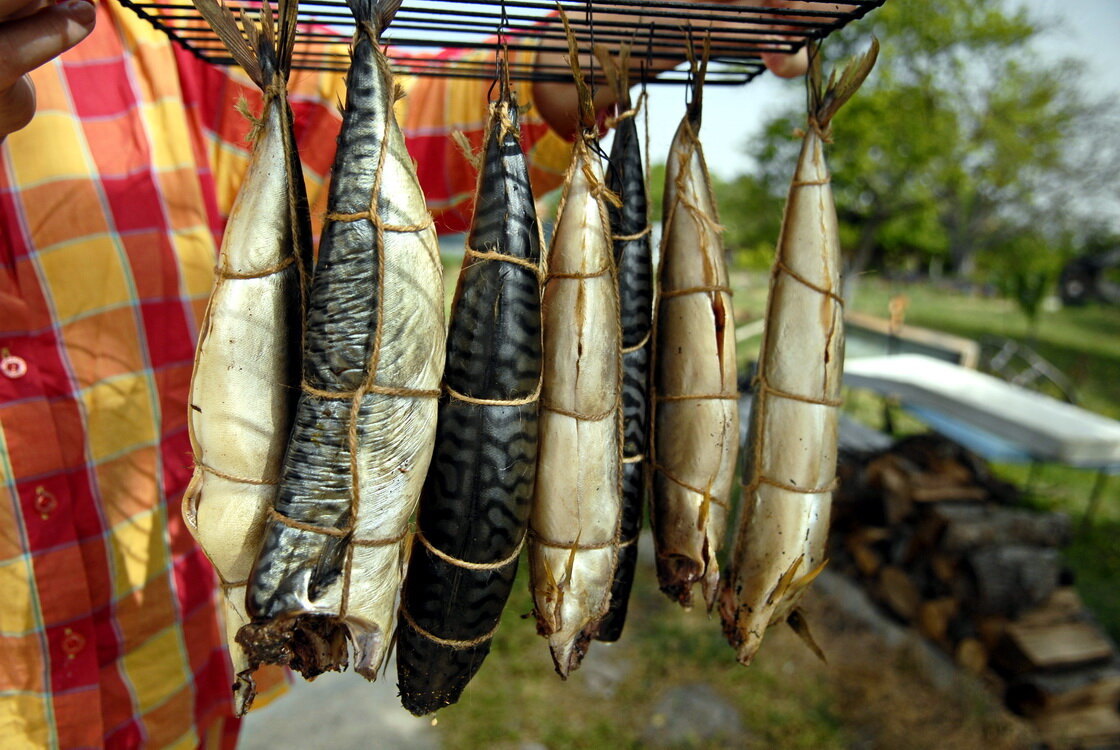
[
  {"x": 557, "y": 101},
  {"x": 33, "y": 33}
]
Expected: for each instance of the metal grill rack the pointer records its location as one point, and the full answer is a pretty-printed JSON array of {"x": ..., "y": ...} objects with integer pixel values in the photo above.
[{"x": 421, "y": 26}]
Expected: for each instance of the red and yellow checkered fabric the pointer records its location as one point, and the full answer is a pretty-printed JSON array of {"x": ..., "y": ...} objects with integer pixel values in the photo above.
[{"x": 111, "y": 206}]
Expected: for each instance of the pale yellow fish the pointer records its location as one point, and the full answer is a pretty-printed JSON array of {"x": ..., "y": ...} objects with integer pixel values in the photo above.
[
  {"x": 247, "y": 365},
  {"x": 695, "y": 436},
  {"x": 790, "y": 457},
  {"x": 574, "y": 525}
]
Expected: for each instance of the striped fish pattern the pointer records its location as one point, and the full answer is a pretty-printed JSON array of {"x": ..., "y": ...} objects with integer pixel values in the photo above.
[
  {"x": 630, "y": 232},
  {"x": 475, "y": 508},
  {"x": 333, "y": 555}
]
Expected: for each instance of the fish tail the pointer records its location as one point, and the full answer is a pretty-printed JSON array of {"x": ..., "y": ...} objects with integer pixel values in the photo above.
[
  {"x": 698, "y": 71},
  {"x": 616, "y": 72},
  {"x": 826, "y": 99},
  {"x": 375, "y": 15},
  {"x": 261, "y": 52}
]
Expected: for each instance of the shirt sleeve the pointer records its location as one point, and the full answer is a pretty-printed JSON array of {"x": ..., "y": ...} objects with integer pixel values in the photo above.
[{"x": 431, "y": 110}]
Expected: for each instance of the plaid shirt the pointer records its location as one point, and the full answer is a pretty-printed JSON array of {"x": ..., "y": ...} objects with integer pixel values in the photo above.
[{"x": 112, "y": 203}]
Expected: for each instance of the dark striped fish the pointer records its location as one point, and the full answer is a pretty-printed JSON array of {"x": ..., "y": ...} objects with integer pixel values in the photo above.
[
  {"x": 630, "y": 232},
  {"x": 334, "y": 549},
  {"x": 475, "y": 507},
  {"x": 577, "y": 504},
  {"x": 247, "y": 366}
]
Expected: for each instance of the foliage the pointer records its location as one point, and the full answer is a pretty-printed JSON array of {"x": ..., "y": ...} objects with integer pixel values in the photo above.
[{"x": 964, "y": 149}]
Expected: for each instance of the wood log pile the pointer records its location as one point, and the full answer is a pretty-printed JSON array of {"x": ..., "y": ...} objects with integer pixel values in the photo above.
[{"x": 939, "y": 543}]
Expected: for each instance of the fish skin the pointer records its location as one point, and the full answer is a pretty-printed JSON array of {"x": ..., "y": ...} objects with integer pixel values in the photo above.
[
  {"x": 577, "y": 504},
  {"x": 247, "y": 362},
  {"x": 782, "y": 534},
  {"x": 634, "y": 259},
  {"x": 695, "y": 440},
  {"x": 477, "y": 496},
  {"x": 375, "y": 314},
  {"x": 790, "y": 459}
]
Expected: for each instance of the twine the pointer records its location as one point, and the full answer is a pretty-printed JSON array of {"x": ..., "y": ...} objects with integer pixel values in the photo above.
[
  {"x": 763, "y": 479},
  {"x": 459, "y": 563},
  {"x": 765, "y": 388},
  {"x": 269, "y": 271},
  {"x": 640, "y": 345},
  {"x": 531, "y": 398},
  {"x": 583, "y": 417},
  {"x": 573, "y": 546},
  {"x": 781, "y": 266},
  {"x": 505, "y": 258},
  {"x": 636, "y": 458},
  {"x": 705, "y": 493},
  {"x": 697, "y": 290},
  {"x": 232, "y": 478},
  {"x": 630, "y": 237},
  {"x": 452, "y": 644},
  {"x": 367, "y": 388}
]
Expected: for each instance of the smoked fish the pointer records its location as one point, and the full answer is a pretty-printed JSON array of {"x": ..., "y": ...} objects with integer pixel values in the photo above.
[
  {"x": 247, "y": 364},
  {"x": 475, "y": 508},
  {"x": 575, "y": 520},
  {"x": 334, "y": 549},
  {"x": 696, "y": 419},
  {"x": 790, "y": 458}
]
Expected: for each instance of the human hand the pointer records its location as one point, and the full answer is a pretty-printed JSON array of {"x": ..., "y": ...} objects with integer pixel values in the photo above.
[{"x": 33, "y": 32}]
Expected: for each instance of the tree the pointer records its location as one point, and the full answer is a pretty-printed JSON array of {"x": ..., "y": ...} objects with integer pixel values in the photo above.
[{"x": 962, "y": 144}]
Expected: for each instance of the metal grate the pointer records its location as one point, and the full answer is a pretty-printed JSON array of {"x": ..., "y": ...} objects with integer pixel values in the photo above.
[{"x": 421, "y": 26}]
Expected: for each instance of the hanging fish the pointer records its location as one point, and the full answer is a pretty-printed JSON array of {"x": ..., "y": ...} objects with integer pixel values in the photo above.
[
  {"x": 790, "y": 458},
  {"x": 247, "y": 365},
  {"x": 574, "y": 535},
  {"x": 475, "y": 509},
  {"x": 334, "y": 547},
  {"x": 696, "y": 419},
  {"x": 630, "y": 233}
]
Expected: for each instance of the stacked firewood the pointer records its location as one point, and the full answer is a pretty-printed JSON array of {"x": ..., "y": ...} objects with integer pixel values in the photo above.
[{"x": 937, "y": 542}]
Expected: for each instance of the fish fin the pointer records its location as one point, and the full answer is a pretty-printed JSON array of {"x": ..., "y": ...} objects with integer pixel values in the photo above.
[
  {"x": 616, "y": 72},
  {"x": 289, "y": 10},
  {"x": 223, "y": 23},
  {"x": 826, "y": 100},
  {"x": 809, "y": 577},
  {"x": 377, "y": 14},
  {"x": 800, "y": 625},
  {"x": 784, "y": 583}
]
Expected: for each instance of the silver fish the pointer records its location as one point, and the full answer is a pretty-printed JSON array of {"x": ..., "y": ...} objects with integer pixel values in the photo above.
[
  {"x": 696, "y": 421},
  {"x": 790, "y": 458},
  {"x": 247, "y": 365},
  {"x": 335, "y": 547}
]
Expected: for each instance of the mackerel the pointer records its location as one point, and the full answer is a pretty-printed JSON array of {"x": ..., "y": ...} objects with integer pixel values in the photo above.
[
  {"x": 475, "y": 509},
  {"x": 247, "y": 364},
  {"x": 696, "y": 419},
  {"x": 630, "y": 233},
  {"x": 576, "y": 512},
  {"x": 790, "y": 458},
  {"x": 334, "y": 549}
]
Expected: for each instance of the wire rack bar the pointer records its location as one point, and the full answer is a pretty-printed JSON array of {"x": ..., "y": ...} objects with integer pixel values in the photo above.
[{"x": 742, "y": 33}]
